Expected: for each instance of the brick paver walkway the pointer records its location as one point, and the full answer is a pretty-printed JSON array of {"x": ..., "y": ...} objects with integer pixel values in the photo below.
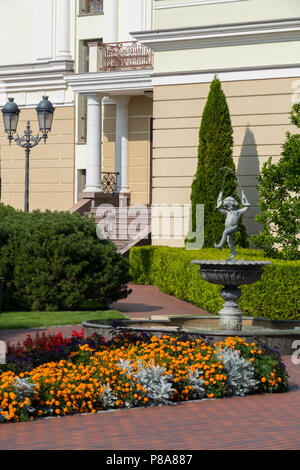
[
  {"x": 143, "y": 302},
  {"x": 252, "y": 422}
]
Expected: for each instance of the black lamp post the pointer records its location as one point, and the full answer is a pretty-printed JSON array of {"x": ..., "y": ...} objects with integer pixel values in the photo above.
[{"x": 45, "y": 111}]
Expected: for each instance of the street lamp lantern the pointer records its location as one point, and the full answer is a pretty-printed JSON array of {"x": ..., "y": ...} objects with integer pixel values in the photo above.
[
  {"x": 11, "y": 113},
  {"x": 45, "y": 112},
  {"x": 10, "y": 117}
]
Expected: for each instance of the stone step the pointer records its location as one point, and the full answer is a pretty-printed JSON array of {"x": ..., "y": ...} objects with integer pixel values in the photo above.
[
  {"x": 122, "y": 223},
  {"x": 118, "y": 217},
  {"x": 128, "y": 209}
]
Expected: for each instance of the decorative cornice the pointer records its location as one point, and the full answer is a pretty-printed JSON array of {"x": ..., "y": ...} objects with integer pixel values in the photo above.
[
  {"x": 27, "y": 82},
  {"x": 227, "y": 75},
  {"x": 119, "y": 83},
  {"x": 41, "y": 67},
  {"x": 220, "y": 35},
  {"x": 131, "y": 82},
  {"x": 33, "y": 77},
  {"x": 193, "y": 4}
]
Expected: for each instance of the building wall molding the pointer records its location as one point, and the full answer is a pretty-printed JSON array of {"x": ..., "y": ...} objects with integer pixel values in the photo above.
[
  {"x": 240, "y": 74},
  {"x": 29, "y": 78},
  {"x": 29, "y": 81},
  {"x": 38, "y": 67},
  {"x": 132, "y": 82},
  {"x": 220, "y": 35},
  {"x": 192, "y": 4}
]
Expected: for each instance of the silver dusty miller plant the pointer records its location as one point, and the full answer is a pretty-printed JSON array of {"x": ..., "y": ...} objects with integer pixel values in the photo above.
[
  {"x": 125, "y": 365},
  {"x": 158, "y": 385},
  {"x": 239, "y": 372},
  {"x": 23, "y": 388},
  {"x": 108, "y": 398},
  {"x": 197, "y": 383},
  {"x": 153, "y": 378}
]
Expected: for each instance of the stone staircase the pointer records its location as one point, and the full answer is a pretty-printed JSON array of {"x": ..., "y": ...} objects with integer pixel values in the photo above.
[{"x": 124, "y": 226}]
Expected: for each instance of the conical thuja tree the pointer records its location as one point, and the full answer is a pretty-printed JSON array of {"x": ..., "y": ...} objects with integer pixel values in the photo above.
[{"x": 215, "y": 169}]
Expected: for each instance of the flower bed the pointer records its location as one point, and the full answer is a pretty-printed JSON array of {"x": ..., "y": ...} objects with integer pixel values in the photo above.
[
  {"x": 129, "y": 371},
  {"x": 41, "y": 349}
]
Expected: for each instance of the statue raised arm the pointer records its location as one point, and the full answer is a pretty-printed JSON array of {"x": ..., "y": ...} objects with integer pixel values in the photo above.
[{"x": 219, "y": 204}]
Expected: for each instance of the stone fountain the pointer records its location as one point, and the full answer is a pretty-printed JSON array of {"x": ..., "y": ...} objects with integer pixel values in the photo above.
[{"x": 231, "y": 274}]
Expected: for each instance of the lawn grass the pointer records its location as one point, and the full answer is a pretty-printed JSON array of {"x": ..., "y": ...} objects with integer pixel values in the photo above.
[{"x": 16, "y": 320}]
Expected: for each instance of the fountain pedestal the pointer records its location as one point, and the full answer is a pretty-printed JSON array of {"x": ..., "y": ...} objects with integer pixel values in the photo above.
[
  {"x": 231, "y": 274},
  {"x": 230, "y": 314}
]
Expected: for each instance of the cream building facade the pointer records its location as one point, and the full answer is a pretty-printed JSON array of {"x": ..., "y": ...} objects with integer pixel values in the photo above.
[
  {"x": 102, "y": 109},
  {"x": 254, "y": 47},
  {"x": 129, "y": 80},
  {"x": 31, "y": 65}
]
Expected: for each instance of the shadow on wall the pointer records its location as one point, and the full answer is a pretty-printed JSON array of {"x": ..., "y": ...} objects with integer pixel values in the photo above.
[{"x": 247, "y": 172}]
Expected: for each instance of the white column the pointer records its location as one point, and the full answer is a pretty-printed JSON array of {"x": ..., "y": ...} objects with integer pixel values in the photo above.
[
  {"x": 64, "y": 52},
  {"x": 94, "y": 141},
  {"x": 122, "y": 143},
  {"x": 113, "y": 21}
]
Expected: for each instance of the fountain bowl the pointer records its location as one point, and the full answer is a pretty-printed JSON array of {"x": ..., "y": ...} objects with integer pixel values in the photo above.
[{"x": 231, "y": 273}]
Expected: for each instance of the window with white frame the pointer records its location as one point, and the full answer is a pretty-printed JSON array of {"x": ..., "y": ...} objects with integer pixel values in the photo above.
[{"x": 92, "y": 6}]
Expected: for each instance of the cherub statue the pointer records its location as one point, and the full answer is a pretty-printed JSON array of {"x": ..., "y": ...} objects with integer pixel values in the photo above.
[{"x": 233, "y": 215}]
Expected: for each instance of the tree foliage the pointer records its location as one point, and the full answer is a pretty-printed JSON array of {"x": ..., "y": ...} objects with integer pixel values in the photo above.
[
  {"x": 279, "y": 202},
  {"x": 215, "y": 169}
]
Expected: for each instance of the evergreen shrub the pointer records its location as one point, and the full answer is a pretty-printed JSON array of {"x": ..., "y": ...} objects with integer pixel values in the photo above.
[
  {"x": 275, "y": 296},
  {"x": 215, "y": 168},
  {"x": 54, "y": 261}
]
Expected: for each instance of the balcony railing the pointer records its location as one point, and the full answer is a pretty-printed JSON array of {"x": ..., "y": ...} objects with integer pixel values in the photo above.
[
  {"x": 126, "y": 56},
  {"x": 109, "y": 182}
]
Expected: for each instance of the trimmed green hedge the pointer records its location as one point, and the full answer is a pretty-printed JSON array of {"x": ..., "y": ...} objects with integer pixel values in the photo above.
[{"x": 275, "y": 296}]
